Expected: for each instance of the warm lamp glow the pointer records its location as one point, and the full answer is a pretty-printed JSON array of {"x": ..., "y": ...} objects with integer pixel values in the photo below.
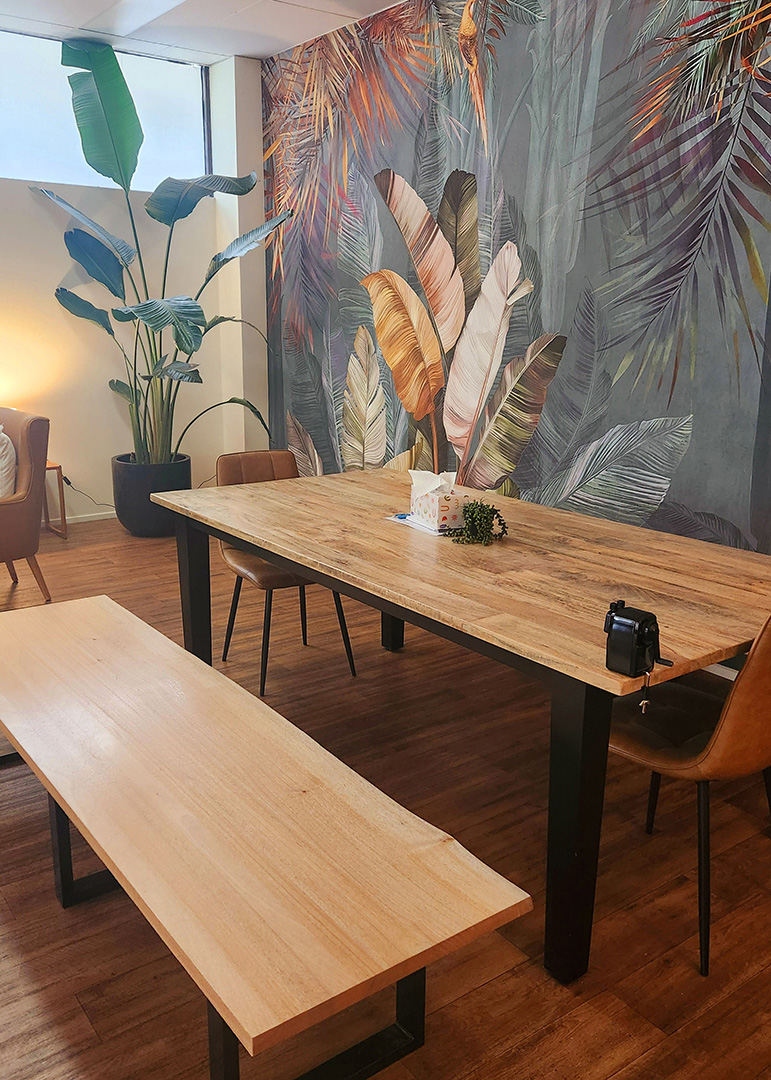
[{"x": 31, "y": 363}]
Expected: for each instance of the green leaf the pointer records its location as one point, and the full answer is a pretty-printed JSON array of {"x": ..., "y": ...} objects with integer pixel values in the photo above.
[
  {"x": 182, "y": 313},
  {"x": 107, "y": 120},
  {"x": 76, "y": 305},
  {"x": 174, "y": 199},
  {"x": 122, "y": 389},
  {"x": 97, "y": 260},
  {"x": 181, "y": 371},
  {"x": 125, "y": 252},
  {"x": 252, "y": 409},
  {"x": 245, "y": 243},
  {"x": 219, "y": 319}
]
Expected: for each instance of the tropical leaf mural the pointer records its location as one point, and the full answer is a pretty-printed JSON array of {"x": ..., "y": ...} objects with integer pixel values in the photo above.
[{"x": 530, "y": 243}]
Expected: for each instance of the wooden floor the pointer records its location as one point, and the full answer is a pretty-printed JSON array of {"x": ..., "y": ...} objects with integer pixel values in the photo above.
[{"x": 92, "y": 993}]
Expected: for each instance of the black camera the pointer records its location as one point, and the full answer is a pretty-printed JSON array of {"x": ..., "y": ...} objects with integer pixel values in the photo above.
[{"x": 633, "y": 640}]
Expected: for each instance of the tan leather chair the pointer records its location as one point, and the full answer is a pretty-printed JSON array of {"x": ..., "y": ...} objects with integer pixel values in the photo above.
[
  {"x": 255, "y": 467},
  {"x": 702, "y": 728},
  {"x": 21, "y": 512}
]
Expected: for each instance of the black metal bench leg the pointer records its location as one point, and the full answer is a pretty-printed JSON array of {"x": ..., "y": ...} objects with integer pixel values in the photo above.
[
  {"x": 69, "y": 889},
  {"x": 344, "y": 631},
  {"x": 223, "y": 1048},
  {"x": 702, "y": 788}
]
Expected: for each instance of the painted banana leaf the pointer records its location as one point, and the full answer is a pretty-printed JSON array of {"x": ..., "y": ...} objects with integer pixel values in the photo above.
[
  {"x": 407, "y": 340},
  {"x": 458, "y": 218},
  {"x": 577, "y": 402},
  {"x": 624, "y": 475},
  {"x": 431, "y": 255},
  {"x": 417, "y": 457},
  {"x": 359, "y": 237},
  {"x": 301, "y": 444},
  {"x": 364, "y": 408},
  {"x": 675, "y": 517},
  {"x": 480, "y": 348},
  {"x": 513, "y": 413},
  {"x": 760, "y": 491}
]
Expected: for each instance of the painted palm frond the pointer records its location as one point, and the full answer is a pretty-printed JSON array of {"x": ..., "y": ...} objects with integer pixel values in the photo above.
[
  {"x": 702, "y": 189},
  {"x": 430, "y": 166},
  {"x": 359, "y": 237},
  {"x": 624, "y": 475},
  {"x": 577, "y": 402},
  {"x": 676, "y": 517},
  {"x": 310, "y": 404}
]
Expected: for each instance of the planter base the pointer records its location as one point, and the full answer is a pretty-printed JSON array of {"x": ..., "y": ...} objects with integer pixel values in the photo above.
[{"x": 132, "y": 485}]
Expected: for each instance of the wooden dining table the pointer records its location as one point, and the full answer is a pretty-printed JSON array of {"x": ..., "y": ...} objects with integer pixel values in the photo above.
[{"x": 536, "y": 601}]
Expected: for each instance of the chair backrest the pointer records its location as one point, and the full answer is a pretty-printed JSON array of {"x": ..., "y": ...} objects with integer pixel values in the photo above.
[
  {"x": 21, "y": 512},
  {"x": 256, "y": 466},
  {"x": 741, "y": 742}
]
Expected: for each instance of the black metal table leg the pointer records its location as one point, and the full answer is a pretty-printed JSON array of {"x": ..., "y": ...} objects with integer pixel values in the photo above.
[
  {"x": 580, "y": 730},
  {"x": 11, "y": 758},
  {"x": 391, "y": 632},
  {"x": 194, "y": 587},
  {"x": 223, "y": 1048},
  {"x": 359, "y": 1062},
  {"x": 69, "y": 889}
]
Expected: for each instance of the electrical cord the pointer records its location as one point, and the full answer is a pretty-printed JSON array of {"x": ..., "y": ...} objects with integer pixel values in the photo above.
[{"x": 70, "y": 484}]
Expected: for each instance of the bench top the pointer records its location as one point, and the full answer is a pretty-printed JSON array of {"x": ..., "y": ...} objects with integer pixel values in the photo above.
[{"x": 288, "y": 886}]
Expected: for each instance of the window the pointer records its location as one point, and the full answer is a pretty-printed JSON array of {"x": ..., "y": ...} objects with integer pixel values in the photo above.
[{"x": 39, "y": 139}]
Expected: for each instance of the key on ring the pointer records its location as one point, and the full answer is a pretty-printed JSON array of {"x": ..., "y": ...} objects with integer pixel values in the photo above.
[{"x": 645, "y": 699}]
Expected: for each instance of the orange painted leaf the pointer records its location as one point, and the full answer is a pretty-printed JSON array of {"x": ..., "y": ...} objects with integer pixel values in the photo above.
[{"x": 407, "y": 341}]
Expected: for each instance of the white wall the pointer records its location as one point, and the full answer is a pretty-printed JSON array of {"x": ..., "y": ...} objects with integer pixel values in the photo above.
[{"x": 59, "y": 366}]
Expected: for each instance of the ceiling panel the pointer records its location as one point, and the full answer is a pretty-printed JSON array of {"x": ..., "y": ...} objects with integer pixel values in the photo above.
[{"x": 198, "y": 30}]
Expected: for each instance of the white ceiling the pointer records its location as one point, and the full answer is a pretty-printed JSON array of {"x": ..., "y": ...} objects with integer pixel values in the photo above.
[{"x": 203, "y": 31}]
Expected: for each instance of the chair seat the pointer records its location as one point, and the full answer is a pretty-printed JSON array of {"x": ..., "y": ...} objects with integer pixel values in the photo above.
[
  {"x": 261, "y": 573},
  {"x": 670, "y": 737}
]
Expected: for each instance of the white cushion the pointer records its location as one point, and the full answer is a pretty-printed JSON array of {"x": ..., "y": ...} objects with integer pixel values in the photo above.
[{"x": 7, "y": 466}]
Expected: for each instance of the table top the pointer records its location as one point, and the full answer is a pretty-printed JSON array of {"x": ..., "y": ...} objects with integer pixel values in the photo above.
[
  {"x": 288, "y": 886},
  {"x": 542, "y": 593}
]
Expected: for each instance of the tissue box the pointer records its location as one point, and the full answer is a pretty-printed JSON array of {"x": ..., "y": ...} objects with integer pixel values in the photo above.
[{"x": 439, "y": 510}]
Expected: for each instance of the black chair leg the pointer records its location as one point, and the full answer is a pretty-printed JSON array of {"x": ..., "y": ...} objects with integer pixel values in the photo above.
[
  {"x": 653, "y": 799},
  {"x": 344, "y": 631},
  {"x": 704, "y": 885},
  {"x": 232, "y": 615},
  {"x": 265, "y": 639},
  {"x": 767, "y": 782},
  {"x": 303, "y": 615}
]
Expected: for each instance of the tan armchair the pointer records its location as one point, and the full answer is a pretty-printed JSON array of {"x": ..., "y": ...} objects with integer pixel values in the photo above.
[{"x": 21, "y": 512}]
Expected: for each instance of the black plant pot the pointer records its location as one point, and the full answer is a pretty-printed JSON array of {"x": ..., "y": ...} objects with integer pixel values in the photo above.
[{"x": 132, "y": 485}]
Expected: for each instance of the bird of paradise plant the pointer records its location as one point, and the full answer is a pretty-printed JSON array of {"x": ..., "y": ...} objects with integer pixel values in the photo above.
[{"x": 111, "y": 137}]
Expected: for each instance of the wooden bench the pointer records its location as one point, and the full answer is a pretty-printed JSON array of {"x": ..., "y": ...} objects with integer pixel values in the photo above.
[{"x": 286, "y": 885}]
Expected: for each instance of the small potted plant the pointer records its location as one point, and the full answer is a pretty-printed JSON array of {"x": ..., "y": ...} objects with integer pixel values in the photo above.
[{"x": 157, "y": 336}]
